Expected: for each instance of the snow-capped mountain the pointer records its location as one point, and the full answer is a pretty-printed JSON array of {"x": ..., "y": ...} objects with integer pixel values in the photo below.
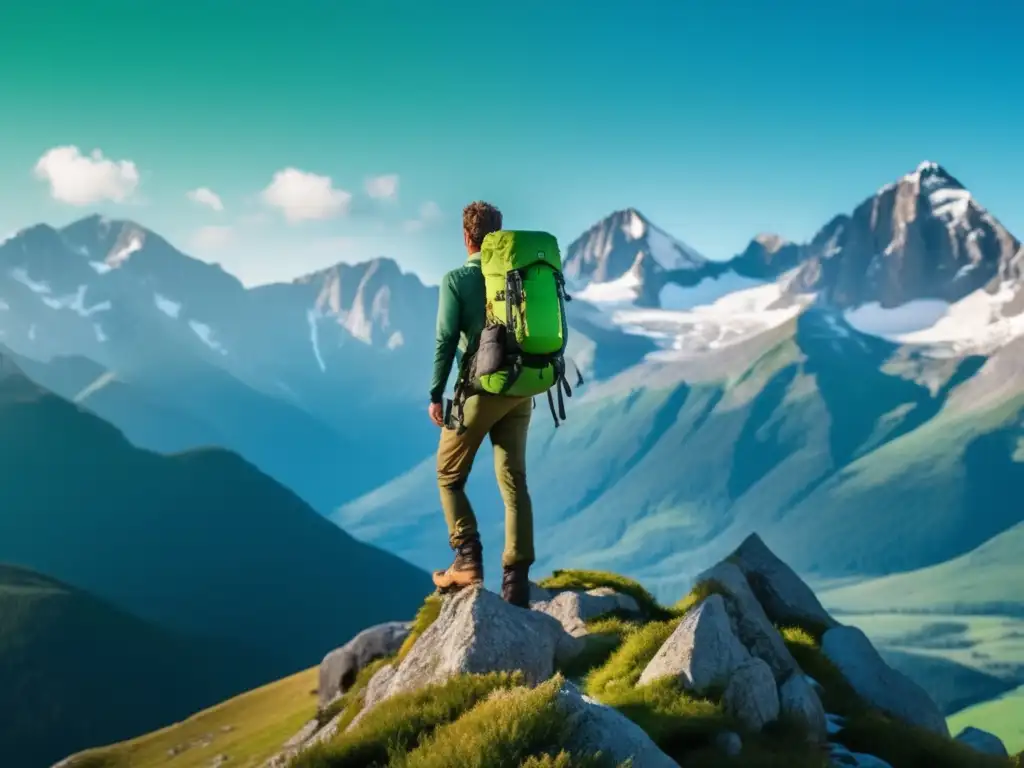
[
  {"x": 289, "y": 359},
  {"x": 919, "y": 263},
  {"x": 922, "y": 237},
  {"x": 628, "y": 251}
]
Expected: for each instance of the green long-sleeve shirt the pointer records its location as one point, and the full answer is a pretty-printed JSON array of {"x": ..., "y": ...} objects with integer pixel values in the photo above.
[{"x": 461, "y": 312}]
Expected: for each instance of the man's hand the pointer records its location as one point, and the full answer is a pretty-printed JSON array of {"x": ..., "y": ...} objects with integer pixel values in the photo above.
[{"x": 436, "y": 414}]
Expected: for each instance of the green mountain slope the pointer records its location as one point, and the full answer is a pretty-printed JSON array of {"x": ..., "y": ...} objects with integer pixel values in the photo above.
[
  {"x": 985, "y": 580},
  {"x": 200, "y": 542},
  {"x": 76, "y": 671},
  {"x": 845, "y": 453}
]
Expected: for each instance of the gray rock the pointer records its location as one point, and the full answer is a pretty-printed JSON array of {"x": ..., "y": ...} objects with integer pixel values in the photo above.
[
  {"x": 339, "y": 668},
  {"x": 751, "y": 696},
  {"x": 841, "y": 757},
  {"x": 702, "y": 652},
  {"x": 881, "y": 686},
  {"x": 982, "y": 741},
  {"x": 477, "y": 632},
  {"x": 799, "y": 701},
  {"x": 573, "y": 608},
  {"x": 785, "y": 597},
  {"x": 751, "y": 623},
  {"x": 729, "y": 743},
  {"x": 595, "y": 727},
  {"x": 377, "y": 686},
  {"x": 834, "y": 723}
]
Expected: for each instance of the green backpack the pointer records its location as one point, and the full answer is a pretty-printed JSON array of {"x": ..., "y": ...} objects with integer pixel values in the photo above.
[{"x": 522, "y": 347}]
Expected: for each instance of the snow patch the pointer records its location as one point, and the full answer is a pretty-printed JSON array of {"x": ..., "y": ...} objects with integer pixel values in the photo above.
[
  {"x": 974, "y": 324},
  {"x": 314, "y": 337},
  {"x": 634, "y": 226},
  {"x": 622, "y": 290},
  {"x": 22, "y": 277},
  {"x": 100, "y": 335},
  {"x": 733, "y": 318},
  {"x": 167, "y": 306},
  {"x": 950, "y": 203},
  {"x": 76, "y": 303},
  {"x": 205, "y": 333},
  {"x": 396, "y": 340},
  {"x": 707, "y": 291},
  {"x": 120, "y": 256},
  {"x": 101, "y": 267},
  {"x": 669, "y": 253}
]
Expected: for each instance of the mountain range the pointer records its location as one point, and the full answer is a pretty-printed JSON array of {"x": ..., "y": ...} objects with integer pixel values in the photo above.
[{"x": 854, "y": 399}]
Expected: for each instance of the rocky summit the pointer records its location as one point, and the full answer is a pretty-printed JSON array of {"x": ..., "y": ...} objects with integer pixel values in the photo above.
[{"x": 747, "y": 669}]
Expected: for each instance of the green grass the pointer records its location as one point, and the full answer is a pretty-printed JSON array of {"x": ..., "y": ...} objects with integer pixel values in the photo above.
[
  {"x": 249, "y": 729},
  {"x": 403, "y": 722},
  {"x": 586, "y": 580},
  {"x": 349, "y": 702},
  {"x": 503, "y": 732},
  {"x": 425, "y": 616}
]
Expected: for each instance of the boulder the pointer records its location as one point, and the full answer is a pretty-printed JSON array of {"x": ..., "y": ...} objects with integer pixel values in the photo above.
[
  {"x": 982, "y": 741},
  {"x": 595, "y": 727},
  {"x": 339, "y": 668},
  {"x": 751, "y": 696},
  {"x": 703, "y": 651},
  {"x": 752, "y": 625},
  {"x": 799, "y": 702},
  {"x": 785, "y": 597},
  {"x": 841, "y": 757},
  {"x": 881, "y": 686},
  {"x": 477, "y": 632},
  {"x": 729, "y": 743},
  {"x": 573, "y": 608}
]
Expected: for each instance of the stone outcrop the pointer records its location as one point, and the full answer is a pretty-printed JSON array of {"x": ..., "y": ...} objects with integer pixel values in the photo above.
[
  {"x": 982, "y": 741},
  {"x": 751, "y": 696},
  {"x": 799, "y": 702},
  {"x": 340, "y": 667},
  {"x": 595, "y": 727},
  {"x": 477, "y": 632},
  {"x": 881, "y": 686},
  {"x": 752, "y": 625},
  {"x": 573, "y": 608},
  {"x": 784, "y": 596},
  {"x": 703, "y": 652}
]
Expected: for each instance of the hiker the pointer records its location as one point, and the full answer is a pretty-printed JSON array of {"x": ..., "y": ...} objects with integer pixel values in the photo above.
[
  {"x": 461, "y": 316},
  {"x": 495, "y": 386}
]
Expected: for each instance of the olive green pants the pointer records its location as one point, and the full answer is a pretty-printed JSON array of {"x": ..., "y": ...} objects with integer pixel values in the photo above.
[{"x": 507, "y": 421}]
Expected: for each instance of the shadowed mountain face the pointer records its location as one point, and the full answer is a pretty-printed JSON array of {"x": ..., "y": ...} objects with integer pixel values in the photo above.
[
  {"x": 79, "y": 672},
  {"x": 199, "y": 542},
  {"x": 276, "y": 373}
]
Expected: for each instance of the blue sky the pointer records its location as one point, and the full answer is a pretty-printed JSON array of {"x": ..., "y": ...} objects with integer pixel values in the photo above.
[{"x": 718, "y": 120}]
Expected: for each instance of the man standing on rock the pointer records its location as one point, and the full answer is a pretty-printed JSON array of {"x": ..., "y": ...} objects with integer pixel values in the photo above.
[{"x": 460, "y": 320}]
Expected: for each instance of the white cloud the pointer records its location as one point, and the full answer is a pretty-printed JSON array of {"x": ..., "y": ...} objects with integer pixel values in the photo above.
[
  {"x": 383, "y": 187},
  {"x": 429, "y": 212},
  {"x": 205, "y": 196},
  {"x": 212, "y": 237},
  {"x": 86, "y": 179},
  {"x": 303, "y": 196}
]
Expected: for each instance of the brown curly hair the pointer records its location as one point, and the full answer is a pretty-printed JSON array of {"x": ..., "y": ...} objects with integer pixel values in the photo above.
[{"x": 479, "y": 219}]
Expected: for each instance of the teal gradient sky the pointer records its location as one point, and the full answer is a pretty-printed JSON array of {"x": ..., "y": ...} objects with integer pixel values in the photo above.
[{"x": 718, "y": 120}]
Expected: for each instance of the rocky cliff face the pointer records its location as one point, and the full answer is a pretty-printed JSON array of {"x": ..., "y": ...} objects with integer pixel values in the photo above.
[{"x": 924, "y": 236}]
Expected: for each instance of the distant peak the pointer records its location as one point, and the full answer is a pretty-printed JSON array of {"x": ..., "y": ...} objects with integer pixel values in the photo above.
[{"x": 770, "y": 241}]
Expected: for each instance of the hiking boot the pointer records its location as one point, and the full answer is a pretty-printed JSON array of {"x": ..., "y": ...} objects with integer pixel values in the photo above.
[
  {"x": 466, "y": 570},
  {"x": 515, "y": 585}
]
